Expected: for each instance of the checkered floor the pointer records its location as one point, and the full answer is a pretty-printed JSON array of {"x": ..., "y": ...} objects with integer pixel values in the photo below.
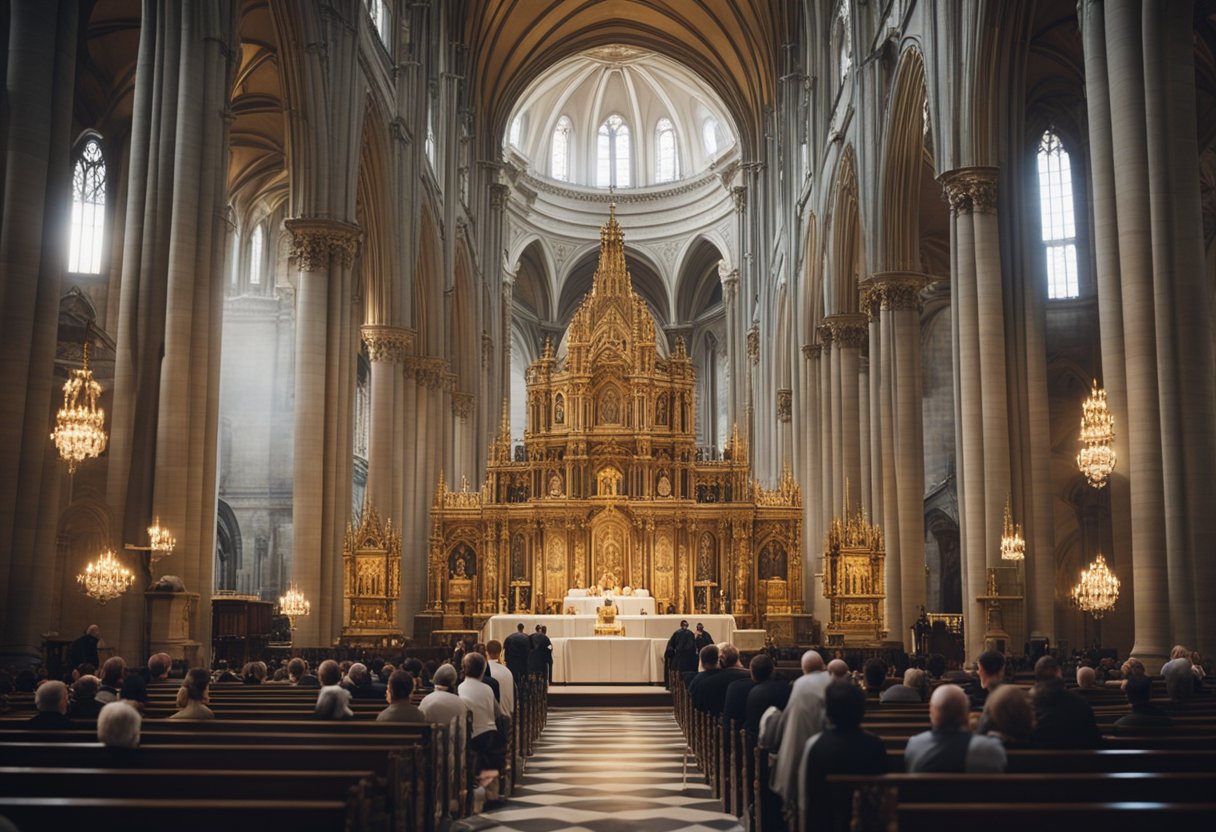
[{"x": 609, "y": 770}]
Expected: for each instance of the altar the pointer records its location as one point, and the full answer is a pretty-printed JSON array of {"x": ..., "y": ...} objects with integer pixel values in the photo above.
[{"x": 625, "y": 604}]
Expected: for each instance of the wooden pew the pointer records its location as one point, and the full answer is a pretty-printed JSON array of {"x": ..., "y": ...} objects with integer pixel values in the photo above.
[{"x": 187, "y": 815}]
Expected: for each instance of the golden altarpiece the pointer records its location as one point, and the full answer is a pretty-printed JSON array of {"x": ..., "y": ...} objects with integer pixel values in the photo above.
[
  {"x": 609, "y": 488},
  {"x": 854, "y": 565},
  {"x": 371, "y": 583}
]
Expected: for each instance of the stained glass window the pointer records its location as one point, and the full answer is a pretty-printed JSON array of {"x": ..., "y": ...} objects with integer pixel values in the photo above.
[{"x": 88, "y": 210}]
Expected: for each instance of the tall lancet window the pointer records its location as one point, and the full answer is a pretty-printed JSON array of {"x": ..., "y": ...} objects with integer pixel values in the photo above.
[
  {"x": 667, "y": 168},
  {"x": 88, "y": 210},
  {"x": 559, "y": 167},
  {"x": 1059, "y": 218},
  {"x": 256, "y": 247},
  {"x": 612, "y": 153}
]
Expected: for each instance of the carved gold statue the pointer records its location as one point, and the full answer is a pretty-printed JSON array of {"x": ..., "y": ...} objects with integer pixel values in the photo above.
[{"x": 605, "y": 620}]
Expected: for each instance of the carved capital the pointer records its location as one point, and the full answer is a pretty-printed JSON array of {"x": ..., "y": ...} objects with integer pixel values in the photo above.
[
  {"x": 498, "y": 196},
  {"x": 812, "y": 351},
  {"x": 739, "y": 195},
  {"x": 897, "y": 291},
  {"x": 971, "y": 189},
  {"x": 462, "y": 405},
  {"x": 387, "y": 343},
  {"x": 785, "y": 404},
  {"x": 314, "y": 243},
  {"x": 848, "y": 329},
  {"x": 427, "y": 371}
]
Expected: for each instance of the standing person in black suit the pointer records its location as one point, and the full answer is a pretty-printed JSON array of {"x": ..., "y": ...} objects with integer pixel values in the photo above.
[
  {"x": 681, "y": 650},
  {"x": 703, "y": 637},
  {"x": 84, "y": 649},
  {"x": 540, "y": 660},
  {"x": 516, "y": 648}
]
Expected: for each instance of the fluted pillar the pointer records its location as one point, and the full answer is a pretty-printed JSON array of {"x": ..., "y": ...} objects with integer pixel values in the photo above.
[
  {"x": 848, "y": 332},
  {"x": 812, "y": 427},
  {"x": 387, "y": 347},
  {"x": 980, "y": 383},
  {"x": 463, "y": 446},
  {"x": 323, "y": 251},
  {"x": 40, "y": 78}
]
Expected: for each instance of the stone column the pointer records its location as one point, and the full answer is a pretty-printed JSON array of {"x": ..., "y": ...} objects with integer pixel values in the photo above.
[
  {"x": 40, "y": 79},
  {"x": 323, "y": 251},
  {"x": 462, "y": 414},
  {"x": 734, "y": 341},
  {"x": 849, "y": 331},
  {"x": 812, "y": 482},
  {"x": 387, "y": 347}
]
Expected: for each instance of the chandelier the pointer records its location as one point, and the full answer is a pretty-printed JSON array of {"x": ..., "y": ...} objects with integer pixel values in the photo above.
[
  {"x": 294, "y": 604},
  {"x": 80, "y": 424},
  {"x": 1096, "y": 458},
  {"x": 106, "y": 578},
  {"x": 1013, "y": 545},
  {"x": 1098, "y": 589},
  {"x": 162, "y": 543}
]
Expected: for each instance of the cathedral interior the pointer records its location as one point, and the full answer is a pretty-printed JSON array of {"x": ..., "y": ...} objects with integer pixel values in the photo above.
[{"x": 705, "y": 297}]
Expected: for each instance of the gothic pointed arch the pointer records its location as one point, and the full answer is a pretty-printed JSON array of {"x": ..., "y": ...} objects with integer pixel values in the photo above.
[{"x": 844, "y": 251}]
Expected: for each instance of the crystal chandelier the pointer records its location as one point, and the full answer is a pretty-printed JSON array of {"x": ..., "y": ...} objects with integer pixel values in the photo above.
[
  {"x": 162, "y": 543},
  {"x": 1098, "y": 589},
  {"x": 1013, "y": 545},
  {"x": 1096, "y": 459},
  {"x": 106, "y": 578},
  {"x": 293, "y": 604},
  {"x": 80, "y": 424}
]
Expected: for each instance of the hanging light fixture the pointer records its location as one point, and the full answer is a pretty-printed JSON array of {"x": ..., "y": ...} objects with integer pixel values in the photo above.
[
  {"x": 80, "y": 424},
  {"x": 105, "y": 579},
  {"x": 294, "y": 604},
  {"x": 162, "y": 543},
  {"x": 1098, "y": 589},
  {"x": 1096, "y": 458},
  {"x": 1013, "y": 545}
]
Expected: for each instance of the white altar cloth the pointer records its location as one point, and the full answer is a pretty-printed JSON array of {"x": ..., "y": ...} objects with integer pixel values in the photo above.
[
  {"x": 607, "y": 659},
  {"x": 625, "y": 604},
  {"x": 721, "y": 627}
]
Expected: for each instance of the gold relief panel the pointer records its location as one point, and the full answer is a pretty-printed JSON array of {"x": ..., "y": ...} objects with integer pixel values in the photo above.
[
  {"x": 555, "y": 569},
  {"x": 707, "y": 557},
  {"x": 664, "y": 568}
]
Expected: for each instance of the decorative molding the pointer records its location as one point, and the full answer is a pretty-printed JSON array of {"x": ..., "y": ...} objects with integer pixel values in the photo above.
[
  {"x": 387, "y": 343},
  {"x": 314, "y": 242},
  {"x": 971, "y": 189},
  {"x": 847, "y": 330},
  {"x": 785, "y": 404},
  {"x": 812, "y": 351},
  {"x": 499, "y": 193},
  {"x": 895, "y": 291},
  {"x": 621, "y": 196},
  {"x": 427, "y": 371},
  {"x": 753, "y": 342},
  {"x": 462, "y": 405}
]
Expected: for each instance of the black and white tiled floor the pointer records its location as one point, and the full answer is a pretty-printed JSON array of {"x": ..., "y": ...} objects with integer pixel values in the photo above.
[{"x": 609, "y": 770}]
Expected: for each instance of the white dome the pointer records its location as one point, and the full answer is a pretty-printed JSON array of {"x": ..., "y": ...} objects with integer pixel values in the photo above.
[{"x": 618, "y": 115}]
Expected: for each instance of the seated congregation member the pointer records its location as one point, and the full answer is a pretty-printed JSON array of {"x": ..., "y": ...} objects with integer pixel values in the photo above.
[
  {"x": 913, "y": 689},
  {"x": 84, "y": 698},
  {"x": 874, "y": 673},
  {"x": 838, "y": 669},
  {"x": 711, "y": 693},
  {"x": 51, "y": 699},
  {"x": 1145, "y": 717},
  {"x": 414, "y": 667},
  {"x": 1063, "y": 719},
  {"x": 734, "y": 710},
  {"x": 111, "y": 679},
  {"x": 254, "y": 673},
  {"x": 442, "y": 705},
  {"x": 709, "y": 668},
  {"x": 400, "y": 709},
  {"x": 768, "y": 692},
  {"x": 1009, "y": 716},
  {"x": 118, "y": 726},
  {"x": 158, "y": 667},
  {"x": 841, "y": 748},
  {"x": 298, "y": 675},
  {"x": 333, "y": 700},
  {"x": 486, "y": 741},
  {"x": 358, "y": 682},
  {"x": 949, "y": 746},
  {"x": 194, "y": 695},
  {"x": 1179, "y": 676},
  {"x": 801, "y": 720},
  {"x": 134, "y": 691},
  {"x": 1087, "y": 679},
  {"x": 502, "y": 676},
  {"x": 935, "y": 665},
  {"x": 991, "y": 669},
  {"x": 223, "y": 675}
]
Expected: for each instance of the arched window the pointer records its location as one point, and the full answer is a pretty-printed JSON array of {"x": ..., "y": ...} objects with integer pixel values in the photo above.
[
  {"x": 517, "y": 128},
  {"x": 378, "y": 9},
  {"x": 559, "y": 166},
  {"x": 612, "y": 156},
  {"x": 88, "y": 210},
  {"x": 1058, "y": 217},
  {"x": 256, "y": 248},
  {"x": 709, "y": 136},
  {"x": 667, "y": 168}
]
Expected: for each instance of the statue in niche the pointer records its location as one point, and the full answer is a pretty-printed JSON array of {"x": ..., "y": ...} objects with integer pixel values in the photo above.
[
  {"x": 461, "y": 563},
  {"x": 555, "y": 486},
  {"x": 610, "y": 408},
  {"x": 559, "y": 410},
  {"x": 664, "y": 487},
  {"x": 772, "y": 561},
  {"x": 660, "y": 410},
  {"x": 705, "y": 557}
]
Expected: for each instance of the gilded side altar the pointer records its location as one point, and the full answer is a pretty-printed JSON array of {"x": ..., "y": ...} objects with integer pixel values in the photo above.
[{"x": 609, "y": 484}]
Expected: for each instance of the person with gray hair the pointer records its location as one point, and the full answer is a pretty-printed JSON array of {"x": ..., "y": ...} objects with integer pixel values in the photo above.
[
  {"x": 442, "y": 705},
  {"x": 333, "y": 702},
  {"x": 51, "y": 699},
  {"x": 1087, "y": 677},
  {"x": 84, "y": 698},
  {"x": 118, "y": 726},
  {"x": 913, "y": 689},
  {"x": 950, "y": 746},
  {"x": 1179, "y": 678},
  {"x": 801, "y": 719},
  {"x": 838, "y": 669}
]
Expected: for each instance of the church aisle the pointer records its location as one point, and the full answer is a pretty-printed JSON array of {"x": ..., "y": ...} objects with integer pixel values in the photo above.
[{"x": 609, "y": 770}]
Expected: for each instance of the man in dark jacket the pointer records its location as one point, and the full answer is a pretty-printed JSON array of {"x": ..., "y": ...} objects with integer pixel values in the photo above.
[
  {"x": 710, "y": 695},
  {"x": 84, "y": 649},
  {"x": 51, "y": 699},
  {"x": 767, "y": 692},
  {"x": 703, "y": 637},
  {"x": 681, "y": 653},
  {"x": 540, "y": 660},
  {"x": 1062, "y": 719},
  {"x": 1145, "y": 717},
  {"x": 516, "y": 648}
]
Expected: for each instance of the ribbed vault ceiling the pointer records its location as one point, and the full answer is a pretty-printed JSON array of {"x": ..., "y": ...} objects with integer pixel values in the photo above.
[{"x": 732, "y": 44}]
